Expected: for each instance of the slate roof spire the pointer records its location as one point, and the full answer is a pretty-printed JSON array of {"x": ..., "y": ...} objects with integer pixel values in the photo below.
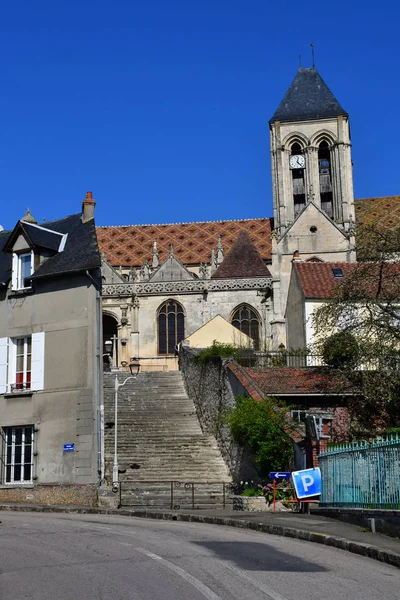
[
  {"x": 242, "y": 260},
  {"x": 308, "y": 97}
]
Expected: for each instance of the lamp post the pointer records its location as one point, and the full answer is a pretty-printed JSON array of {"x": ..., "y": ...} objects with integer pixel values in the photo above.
[{"x": 134, "y": 367}]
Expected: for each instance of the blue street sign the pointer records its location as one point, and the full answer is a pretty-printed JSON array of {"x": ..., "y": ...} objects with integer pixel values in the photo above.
[
  {"x": 69, "y": 447},
  {"x": 307, "y": 483},
  {"x": 279, "y": 475}
]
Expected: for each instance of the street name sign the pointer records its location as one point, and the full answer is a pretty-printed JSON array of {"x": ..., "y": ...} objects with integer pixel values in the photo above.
[
  {"x": 69, "y": 447},
  {"x": 307, "y": 483},
  {"x": 280, "y": 475}
]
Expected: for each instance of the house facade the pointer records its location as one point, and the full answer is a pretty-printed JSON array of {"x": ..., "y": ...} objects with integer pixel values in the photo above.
[{"x": 50, "y": 360}]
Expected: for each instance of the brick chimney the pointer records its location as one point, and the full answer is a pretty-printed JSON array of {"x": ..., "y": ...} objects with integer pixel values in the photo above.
[{"x": 88, "y": 205}]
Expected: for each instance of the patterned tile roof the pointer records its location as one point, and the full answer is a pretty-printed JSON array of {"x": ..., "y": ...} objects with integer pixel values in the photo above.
[
  {"x": 130, "y": 245},
  {"x": 192, "y": 242},
  {"x": 384, "y": 211}
]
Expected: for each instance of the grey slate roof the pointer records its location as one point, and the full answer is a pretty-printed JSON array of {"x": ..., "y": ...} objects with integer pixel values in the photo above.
[
  {"x": 41, "y": 237},
  {"x": 308, "y": 97},
  {"x": 80, "y": 252}
]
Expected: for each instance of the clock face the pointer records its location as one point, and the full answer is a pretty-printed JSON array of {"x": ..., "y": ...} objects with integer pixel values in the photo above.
[{"x": 297, "y": 161}]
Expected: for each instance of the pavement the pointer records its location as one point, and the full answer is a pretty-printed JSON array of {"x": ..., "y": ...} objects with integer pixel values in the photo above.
[{"x": 311, "y": 528}]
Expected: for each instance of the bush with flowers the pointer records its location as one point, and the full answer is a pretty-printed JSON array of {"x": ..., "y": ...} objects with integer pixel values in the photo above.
[{"x": 283, "y": 492}]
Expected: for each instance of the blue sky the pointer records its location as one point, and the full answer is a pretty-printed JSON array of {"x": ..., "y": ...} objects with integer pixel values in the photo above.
[{"x": 161, "y": 108}]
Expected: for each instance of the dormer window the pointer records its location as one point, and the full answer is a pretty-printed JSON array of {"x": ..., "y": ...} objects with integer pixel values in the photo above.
[{"x": 22, "y": 270}]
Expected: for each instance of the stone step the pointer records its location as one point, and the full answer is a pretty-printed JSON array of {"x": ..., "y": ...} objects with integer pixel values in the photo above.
[{"x": 158, "y": 431}]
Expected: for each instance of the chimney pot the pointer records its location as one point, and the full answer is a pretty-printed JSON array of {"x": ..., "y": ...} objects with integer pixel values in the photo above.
[{"x": 88, "y": 205}]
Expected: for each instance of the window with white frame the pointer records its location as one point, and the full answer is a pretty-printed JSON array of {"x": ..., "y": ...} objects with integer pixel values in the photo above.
[
  {"x": 22, "y": 270},
  {"x": 22, "y": 363},
  {"x": 22, "y": 348},
  {"x": 302, "y": 415},
  {"x": 17, "y": 454}
]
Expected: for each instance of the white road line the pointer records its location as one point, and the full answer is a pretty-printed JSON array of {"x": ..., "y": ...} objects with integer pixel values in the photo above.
[
  {"x": 263, "y": 588},
  {"x": 125, "y": 544},
  {"x": 203, "y": 589}
]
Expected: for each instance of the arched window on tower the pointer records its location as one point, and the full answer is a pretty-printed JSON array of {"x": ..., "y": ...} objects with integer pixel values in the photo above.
[
  {"x": 297, "y": 164},
  {"x": 246, "y": 319},
  {"x": 325, "y": 178},
  {"x": 171, "y": 326}
]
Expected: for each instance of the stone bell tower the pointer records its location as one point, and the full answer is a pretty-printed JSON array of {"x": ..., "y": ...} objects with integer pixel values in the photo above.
[{"x": 312, "y": 183}]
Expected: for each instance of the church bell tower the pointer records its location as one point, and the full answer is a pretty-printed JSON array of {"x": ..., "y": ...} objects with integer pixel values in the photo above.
[{"x": 312, "y": 183}]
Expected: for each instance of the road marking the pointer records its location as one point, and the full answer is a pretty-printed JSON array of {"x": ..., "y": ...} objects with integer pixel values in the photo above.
[
  {"x": 203, "y": 589},
  {"x": 263, "y": 588},
  {"x": 125, "y": 544}
]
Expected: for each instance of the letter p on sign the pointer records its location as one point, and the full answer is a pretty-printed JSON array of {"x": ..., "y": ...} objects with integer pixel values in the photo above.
[{"x": 307, "y": 483}]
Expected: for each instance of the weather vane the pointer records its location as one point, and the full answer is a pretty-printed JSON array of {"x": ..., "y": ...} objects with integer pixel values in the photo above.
[{"x": 313, "y": 57}]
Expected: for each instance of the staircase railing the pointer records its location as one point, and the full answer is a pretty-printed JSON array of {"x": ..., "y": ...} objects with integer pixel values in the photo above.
[{"x": 176, "y": 494}]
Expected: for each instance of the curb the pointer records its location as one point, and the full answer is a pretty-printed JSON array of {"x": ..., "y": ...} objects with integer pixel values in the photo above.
[{"x": 385, "y": 556}]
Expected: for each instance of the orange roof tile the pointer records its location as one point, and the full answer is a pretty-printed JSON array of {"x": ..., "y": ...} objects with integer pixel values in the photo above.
[
  {"x": 317, "y": 279},
  {"x": 192, "y": 242}
]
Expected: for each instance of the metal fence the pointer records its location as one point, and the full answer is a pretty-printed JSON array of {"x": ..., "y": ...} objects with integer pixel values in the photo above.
[
  {"x": 362, "y": 475},
  {"x": 175, "y": 495},
  {"x": 262, "y": 360}
]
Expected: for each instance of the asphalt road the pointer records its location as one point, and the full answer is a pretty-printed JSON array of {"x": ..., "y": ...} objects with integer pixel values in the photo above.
[{"x": 96, "y": 557}]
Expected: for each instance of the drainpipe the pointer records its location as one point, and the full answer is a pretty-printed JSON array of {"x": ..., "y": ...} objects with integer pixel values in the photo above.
[{"x": 100, "y": 407}]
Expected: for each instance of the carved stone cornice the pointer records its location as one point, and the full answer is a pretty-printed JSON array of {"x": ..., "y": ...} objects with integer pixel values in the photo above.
[{"x": 148, "y": 288}]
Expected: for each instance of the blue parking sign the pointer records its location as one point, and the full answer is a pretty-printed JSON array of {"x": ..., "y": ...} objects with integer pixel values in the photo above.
[{"x": 307, "y": 483}]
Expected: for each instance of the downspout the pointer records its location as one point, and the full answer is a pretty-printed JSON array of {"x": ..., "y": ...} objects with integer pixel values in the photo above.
[{"x": 100, "y": 407}]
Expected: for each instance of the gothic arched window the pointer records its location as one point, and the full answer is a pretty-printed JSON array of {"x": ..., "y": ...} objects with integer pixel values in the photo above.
[
  {"x": 171, "y": 326},
  {"x": 246, "y": 319},
  {"x": 297, "y": 163},
  {"x": 325, "y": 178}
]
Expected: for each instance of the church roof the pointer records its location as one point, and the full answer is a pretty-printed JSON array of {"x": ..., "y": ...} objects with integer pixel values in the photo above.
[
  {"x": 243, "y": 260},
  {"x": 384, "y": 212},
  {"x": 308, "y": 97},
  {"x": 192, "y": 242}
]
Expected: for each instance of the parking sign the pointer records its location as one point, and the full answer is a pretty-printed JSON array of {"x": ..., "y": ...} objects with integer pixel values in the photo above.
[{"x": 307, "y": 483}]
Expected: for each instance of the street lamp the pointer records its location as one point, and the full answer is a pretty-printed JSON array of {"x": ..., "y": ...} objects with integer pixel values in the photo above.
[{"x": 134, "y": 367}]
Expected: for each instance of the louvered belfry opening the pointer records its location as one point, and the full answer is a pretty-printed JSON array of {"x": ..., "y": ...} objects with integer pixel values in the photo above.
[
  {"x": 299, "y": 189},
  {"x": 171, "y": 326},
  {"x": 325, "y": 178}
]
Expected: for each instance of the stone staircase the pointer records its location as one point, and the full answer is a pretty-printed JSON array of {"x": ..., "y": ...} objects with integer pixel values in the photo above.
[{"x": 165, "y": 460}]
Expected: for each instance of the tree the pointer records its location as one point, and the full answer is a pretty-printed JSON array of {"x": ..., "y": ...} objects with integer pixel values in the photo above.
[
  {"x": 262, "y": 426},
  {"x": 365, "y": 307}
]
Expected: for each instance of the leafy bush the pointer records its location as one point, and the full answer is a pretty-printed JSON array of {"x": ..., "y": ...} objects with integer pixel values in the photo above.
[
  {"x": 260, "y": 426},
  {"x": 341, "y": 350},
  {"x": 217, "y": 349}
]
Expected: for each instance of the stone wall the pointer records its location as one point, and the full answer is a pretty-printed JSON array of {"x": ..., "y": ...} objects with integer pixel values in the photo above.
[
  {"x": 51, "y": 495},
  {"x": 208, "y": 386}
]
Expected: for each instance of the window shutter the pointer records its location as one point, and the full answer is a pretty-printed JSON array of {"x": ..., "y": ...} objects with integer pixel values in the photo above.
[
  {"x": 15, "y": 263},
  {"x": 3, "y": 364},
  {"x": 37, "y": 369}
]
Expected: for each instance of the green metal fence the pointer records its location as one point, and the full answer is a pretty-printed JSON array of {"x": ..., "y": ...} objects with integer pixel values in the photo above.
[{"x": 362, "y": 474}]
